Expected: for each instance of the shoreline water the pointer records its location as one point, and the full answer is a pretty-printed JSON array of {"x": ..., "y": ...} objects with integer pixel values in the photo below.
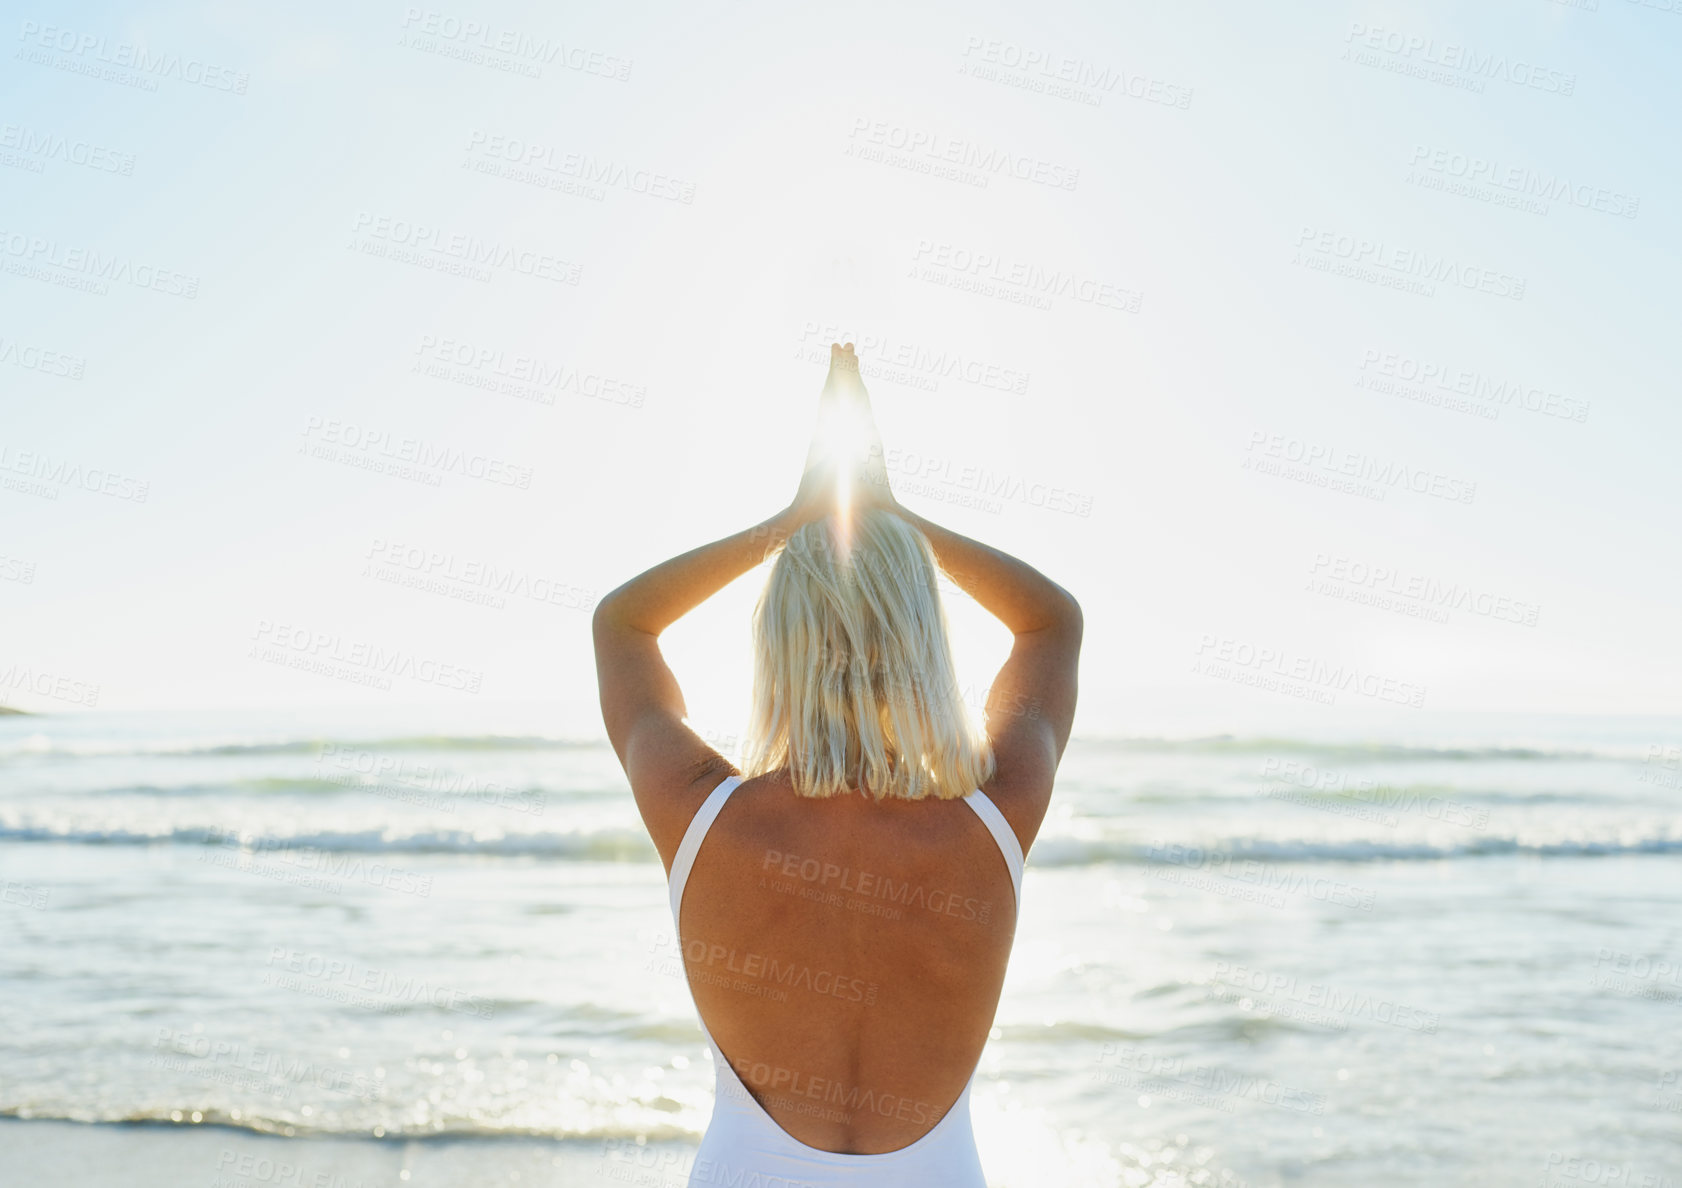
[
  {"x": 1274, "y": 959},
  {"x": 42, "y": 1153}
]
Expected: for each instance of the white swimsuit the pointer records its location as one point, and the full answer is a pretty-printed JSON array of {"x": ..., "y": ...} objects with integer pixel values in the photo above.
[{"x": 744, "y": 1145}]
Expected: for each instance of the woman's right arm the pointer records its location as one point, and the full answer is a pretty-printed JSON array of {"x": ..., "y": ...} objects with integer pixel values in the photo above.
[
  {"x": 1032, "y": 702},
  {"x": 1014, "y": 592}
]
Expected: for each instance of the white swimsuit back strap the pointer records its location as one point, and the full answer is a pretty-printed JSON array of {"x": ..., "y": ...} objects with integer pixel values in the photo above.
[
  {"x": 694, "y": 835},
  {"x": 1002, "y": 833}
]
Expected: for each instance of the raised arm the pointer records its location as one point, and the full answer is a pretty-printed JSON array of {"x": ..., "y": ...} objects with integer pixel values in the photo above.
[
  {"x": 669, "y": 766},
  {"x": 1031, "y": 705},
  {"x": 1032, "y": 701},
  {"x": 1014, "y": 592}
]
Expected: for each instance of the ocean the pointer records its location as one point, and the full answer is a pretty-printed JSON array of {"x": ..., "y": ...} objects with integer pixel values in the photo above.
[{"x": 1241, "y": 960}]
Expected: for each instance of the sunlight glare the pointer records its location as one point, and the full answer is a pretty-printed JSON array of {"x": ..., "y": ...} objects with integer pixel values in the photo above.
[
  {"x": 844, "y": 434},
  {"x": 844, "y": 444}
]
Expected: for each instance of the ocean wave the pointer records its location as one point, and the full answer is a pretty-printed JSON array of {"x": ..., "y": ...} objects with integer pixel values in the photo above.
[
  {"x": 1380, "y": 795},
  {"x": 45, "y": 745},
  {"x": 303, "y": 785},
  {"x": 1064, "y": 1031},
  {"x": 392, "y": 1130},
  {"x": 1231, "y": 744},
  {"x": 463, "y": 789},
  {"x": 1213, "y": 855},
  {"x": 616, "y": 844},
  {"x": 605, "y": 845}
]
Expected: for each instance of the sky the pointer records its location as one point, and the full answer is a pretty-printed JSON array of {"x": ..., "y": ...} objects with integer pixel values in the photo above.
[{"x": 1323, "y": 352}]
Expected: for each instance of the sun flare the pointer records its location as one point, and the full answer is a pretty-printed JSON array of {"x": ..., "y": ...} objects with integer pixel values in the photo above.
[{"x": 844, "y": 444}]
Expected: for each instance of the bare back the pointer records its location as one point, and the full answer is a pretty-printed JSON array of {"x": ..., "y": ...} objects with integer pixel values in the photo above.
[{"x": 845, "y": 950}]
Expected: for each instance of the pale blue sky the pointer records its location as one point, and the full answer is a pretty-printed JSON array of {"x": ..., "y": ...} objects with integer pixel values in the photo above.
[{"x": 780, "y": 124}]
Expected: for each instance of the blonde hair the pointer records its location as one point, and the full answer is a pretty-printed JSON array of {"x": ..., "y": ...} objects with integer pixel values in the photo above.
[{"x": 854, "y": 685}]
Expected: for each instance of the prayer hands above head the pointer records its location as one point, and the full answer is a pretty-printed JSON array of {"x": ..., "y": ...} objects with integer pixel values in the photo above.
[
  {"x": 845, "y": 464},
  {"x": 844, "y": 378}
]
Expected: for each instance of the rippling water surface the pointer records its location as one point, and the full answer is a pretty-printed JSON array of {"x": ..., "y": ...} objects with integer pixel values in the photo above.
[{"x": 1241, "y": 960}]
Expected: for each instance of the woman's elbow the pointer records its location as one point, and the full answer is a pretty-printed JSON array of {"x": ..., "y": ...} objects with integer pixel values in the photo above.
[
  {"x": 615, "y": 615},
  {"x": 1059, "y": 614},
  {"x": 1072, "y": 618},
  {"x": 606, "y": 616}
]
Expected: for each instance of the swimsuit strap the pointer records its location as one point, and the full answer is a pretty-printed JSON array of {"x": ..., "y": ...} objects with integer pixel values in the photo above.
[
  {"x": 694, "y": 835},
  {"x": 1009, "y": 847},
  {"x": 1002, "y": 833}
]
